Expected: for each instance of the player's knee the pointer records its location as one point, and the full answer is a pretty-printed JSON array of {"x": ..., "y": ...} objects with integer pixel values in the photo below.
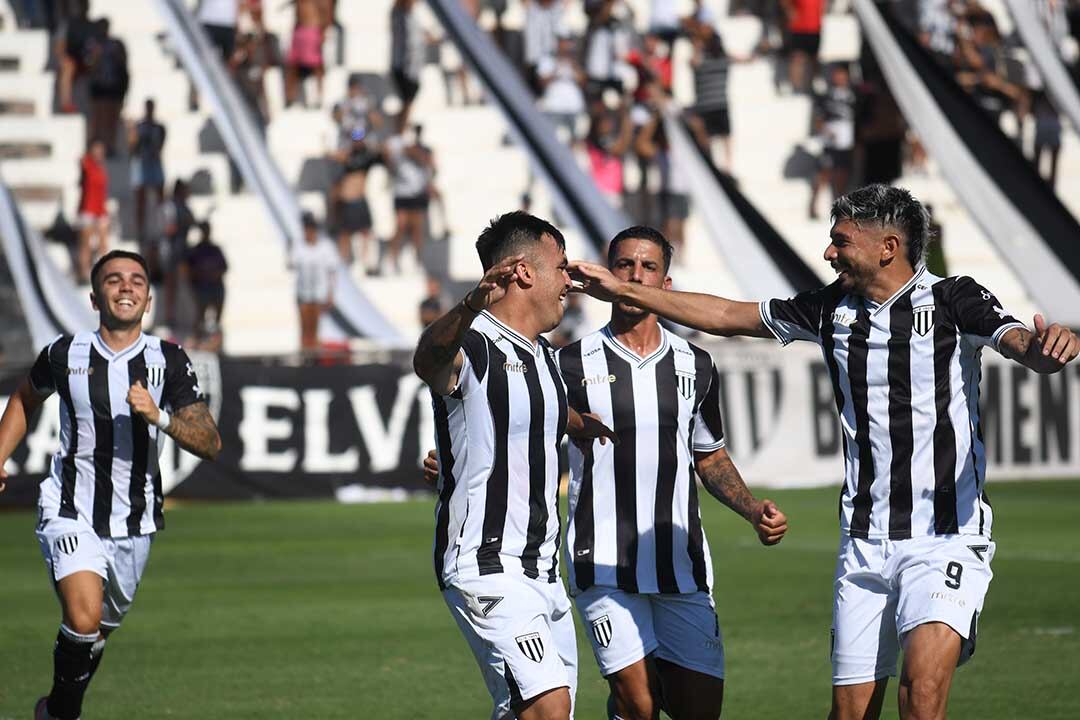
[
  {"x": 636, "y": 705},
  {"x": 924, "y": 698},
  {"x": 83, "y": 618}
]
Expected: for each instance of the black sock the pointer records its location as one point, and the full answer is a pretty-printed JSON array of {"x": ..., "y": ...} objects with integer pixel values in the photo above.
[
  {"x": 71, "y": 673},
  {"x": 96, "y": 652}
]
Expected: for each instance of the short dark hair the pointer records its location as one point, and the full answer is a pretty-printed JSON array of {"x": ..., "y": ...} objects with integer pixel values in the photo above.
[
  {"x": 642, "y": 232},
  {"x": 95, "y": 272},
  {"x": 510, "y": 232},
  {"x": 889, "y": 206}
]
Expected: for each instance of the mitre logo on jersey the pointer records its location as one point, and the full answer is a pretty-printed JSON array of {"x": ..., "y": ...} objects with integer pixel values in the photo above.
[
  {"x": 601, "y": 628},
  {"x": 922, "y": 319},
  {"x": 67, "y": 544},
  {"x": 686, "y": 384},
  {"x": 80, "y": 371},
  {"x": 843, "y": 318},
  {"x": 155, "y": 374},
  {"x": 531, "y": 645},
  {"x": 597, "y": 380},
  {"x": 515, "y": 367}
]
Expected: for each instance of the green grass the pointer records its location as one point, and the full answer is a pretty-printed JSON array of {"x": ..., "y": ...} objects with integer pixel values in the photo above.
[{"x": 318, "y": 610}]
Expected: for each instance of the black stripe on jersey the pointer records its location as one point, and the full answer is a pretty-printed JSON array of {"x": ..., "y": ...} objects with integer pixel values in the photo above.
[
  {"x": 487, "y": 555},
  {"x": 538, "y": 512},
  {"x": 858, "y": 354},
  {"x": 707, "y": 384},
  {"x": 100, "y": 404},
  {"x": 667, "y": 410},
  {"x": 159, "y": 502},
  {"x": 475, "y": 348},
  {"x": 944, "y": 433},
  {"x": 828, "y": 346},
  {"x": 140, "y": 451},
  {"x": 560, "y": 391},
  {"x": 625, "y": 453},
  {"x": 446, "y": 469},
  {"x": 695, "y": 545},
  {"x": 584, "y": 530},
  {"x": 901, "y": 435},
  {"x": 58, "y": 360}
]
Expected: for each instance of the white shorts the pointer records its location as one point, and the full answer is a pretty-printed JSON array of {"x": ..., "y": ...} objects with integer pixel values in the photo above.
[
  {"x": 71, "y": 546},
  {"x": 886, "y": 588},
  {"x": 522, "y": 634},
  {"x": 626, "y": 627}
]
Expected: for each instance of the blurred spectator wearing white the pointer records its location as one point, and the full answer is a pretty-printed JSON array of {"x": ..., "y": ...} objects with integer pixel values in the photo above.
[
  {"x": 711, "y": 66},
  {"x": 834, "y": 122},
  {"x": 606, "y": 48},
  {"x": 219, "y": 18},
  {"x": 146, "y": 140},
  {"x": 408, "y": 52},
  {"x": 543, "y": 26},
  {"x": 410, "y": 166},
  {"x": 664, "y": 19},
  {"x": 561, "y": 78},
  {"x": 803, "y": 40},
  {"x": 937, "y": 28},
  {"x": 316, "y": 263},
  {"x": 305, "y": 57},
  {"x": 93, "y": 212}
]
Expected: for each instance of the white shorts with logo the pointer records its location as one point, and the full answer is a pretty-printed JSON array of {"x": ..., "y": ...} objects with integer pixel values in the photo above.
[
  {"x": 522, "y": 634},
  {"x": 71, "y": 546},
  {"x": 625, "y": 627},
  {"x": 886, "y": 588}
]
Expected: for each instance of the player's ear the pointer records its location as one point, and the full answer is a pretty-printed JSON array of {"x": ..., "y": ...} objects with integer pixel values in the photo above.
[
  {"x": 890, "y": 247},
  {"x": 526, "y": 274},
  {"x": 93, "y": 301}
]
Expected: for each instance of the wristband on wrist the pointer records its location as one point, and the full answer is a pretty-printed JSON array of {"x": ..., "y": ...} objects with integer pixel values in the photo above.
[
  {"x": 163, "y": 420},
  {"x": 465, "y": 302}
]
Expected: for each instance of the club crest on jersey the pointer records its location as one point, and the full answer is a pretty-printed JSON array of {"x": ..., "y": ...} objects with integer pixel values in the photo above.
[
  {"x": 531, "y": 645},
  {"x": 155, "y": 374},
  {"x": 67, "y": 544},
  {"x": 686, "y": 384},
  {"x": 601, "y": 629},
  {"x": 922, "y": 319}
]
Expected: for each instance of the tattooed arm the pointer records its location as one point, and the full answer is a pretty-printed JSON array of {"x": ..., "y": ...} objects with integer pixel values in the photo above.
[
  {"x": 722, "y": 479},
  {"x": 194, "y": 429}
]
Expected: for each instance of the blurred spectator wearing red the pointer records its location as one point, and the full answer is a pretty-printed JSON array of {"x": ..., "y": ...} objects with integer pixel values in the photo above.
[
  {"x": 93, "y": 213},
  {"x": 803, "y": 40},
  {"x": 305, "y": 57}
]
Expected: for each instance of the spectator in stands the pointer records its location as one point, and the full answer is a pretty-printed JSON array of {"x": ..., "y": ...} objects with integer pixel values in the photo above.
[
  {"x": 937, "y": 29},
  {"x": 207, "y": 266},
  {"x": 664, "y": 21},
  {"x": 834, "y": 121},
  {"x": 803, "y": 40},
  {"x": 316, "y": 263},
  {"x": 409, "y": 165},
  {"x": 93, "y": 213},
  {"x": 107, "y": 65},
  {"x": 358, "y": 110},
  {"x": 146, "y": 140},
  {"x": 651, "y": 142},
  {"x": 982, "y": 70},
  {"x": 219, "y": 19},
  {"x": 560, "y": 78},
  {"x": 434, "y": 304},
  {"x": 353, "y": 213},
  {"x": 651, "y": 65},
  {"x": 711, "y": 66},
  {"x": 70, "y": 51},
  {"x": 1047, "y": 135},
  {"x": 608, "y": 139},
  {"x": 255, "y": 52},
  {"x": 177, "y": 219},
  {"x": 306, "y": 52},
  {"x": 606, "y": 46},
  {"x": 408, "y": 53},
  {"x": 543, "y": 26},
  {"x": 880, "y": 131}
]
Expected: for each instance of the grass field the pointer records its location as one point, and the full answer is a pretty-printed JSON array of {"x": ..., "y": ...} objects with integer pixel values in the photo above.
[{"x": 320, "y": 610}]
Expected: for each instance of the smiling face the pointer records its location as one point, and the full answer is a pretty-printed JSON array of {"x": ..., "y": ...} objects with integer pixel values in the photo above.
[
  {"x": 638, "y": 261},
  {"x": 121, "y": 293},
  {"x": 551, "y": 282},
  {"x": 855, "y": 252}
]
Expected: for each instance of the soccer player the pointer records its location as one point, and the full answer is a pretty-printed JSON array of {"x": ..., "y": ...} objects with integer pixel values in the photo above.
[
  {"x": 903, "y": 349},
  {"x": 639, "y": 563},
  {"x": 101, "y": 502},
  {"x": 500, "y": 413}
]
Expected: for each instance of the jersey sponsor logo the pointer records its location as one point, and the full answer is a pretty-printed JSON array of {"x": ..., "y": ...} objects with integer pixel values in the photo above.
[
  {"x": 515, "y": 367},
  {"x": 489, "y": 602},
  {"x": 531, "y": 645},
  {"x": 80, "y": 371},
  {"x": 593, "y": 351},
  {"x": 686, "y": 384},
  {"x": 597, "y": 380},
  {"x": 843, "y": 318},
  {"x": 67, "y": 544},
  {"x": 601, "y": 629},
  {"x": 684, "y": 352},
  {"x": 922, "y": 319},
  {"x": 155, "y": 374}
]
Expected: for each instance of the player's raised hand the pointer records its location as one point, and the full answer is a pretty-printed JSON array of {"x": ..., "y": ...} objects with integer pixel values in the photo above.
[
  {"x": 141, "y": 402},
  {"x": 1056, "y": 341},
  {"x": 431, "y": 470},
  {"x": 492, "y": 286},
  {"x": 769, "y": 522},
  {"x": 595, "y": 280}
]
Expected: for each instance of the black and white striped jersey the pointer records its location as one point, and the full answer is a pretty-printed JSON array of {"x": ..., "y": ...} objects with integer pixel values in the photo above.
[
  {"x": 634, "y": 519},
  {"x": 905, "y": 375},
  {"x": 106, "y": 470},
  {"x": 497, "y": 436}
]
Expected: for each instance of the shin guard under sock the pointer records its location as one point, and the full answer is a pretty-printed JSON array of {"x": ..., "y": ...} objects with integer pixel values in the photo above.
[{"x": 71, "y": 673}]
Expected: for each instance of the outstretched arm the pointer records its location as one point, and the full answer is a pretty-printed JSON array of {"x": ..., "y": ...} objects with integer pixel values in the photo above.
[
  {"x": 708, "y": 313},
  {"x": 192, "y": 426},
  {"x": 1047, "y": 350},
  {"x": 723, "y": 481},
  {"x": 20, "y": 408}
]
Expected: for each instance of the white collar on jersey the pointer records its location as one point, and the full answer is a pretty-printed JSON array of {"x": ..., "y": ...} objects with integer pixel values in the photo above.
[
  {"x": 511, "y": 334},
  {"x": 907, "y": 286},
  {"x": 632, "y": 356},
  {"x": 110, "y": 354}
]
